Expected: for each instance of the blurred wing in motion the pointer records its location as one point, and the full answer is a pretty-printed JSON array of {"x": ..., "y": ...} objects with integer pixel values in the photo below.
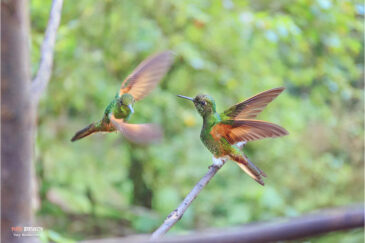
[
  {"x": 235, "y": 131},
  {"x": 138, "y": 133},
  {"x": 251, "y": 107},
  {"x": 146, "y": 76}
]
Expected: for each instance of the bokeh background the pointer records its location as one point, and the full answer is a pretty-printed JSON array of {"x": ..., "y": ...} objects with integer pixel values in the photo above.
[{"x": 103, "y": 186}]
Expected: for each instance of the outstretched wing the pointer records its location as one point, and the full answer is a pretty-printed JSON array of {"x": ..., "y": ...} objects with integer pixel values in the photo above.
[
  {"x": 138, "y": 133},
  {"x": 235, "y": 131},
  {"x": 251, "y": 107},
  {"x": 146, "y": 76}
]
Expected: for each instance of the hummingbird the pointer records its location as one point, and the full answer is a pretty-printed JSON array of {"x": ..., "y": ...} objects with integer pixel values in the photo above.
[
  {"x": 224, "y": 134},
  {"x": 135, "y": 87}
]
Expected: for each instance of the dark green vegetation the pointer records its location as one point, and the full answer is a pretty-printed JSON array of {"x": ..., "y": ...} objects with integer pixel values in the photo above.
[{"x": 105, "y": 186}]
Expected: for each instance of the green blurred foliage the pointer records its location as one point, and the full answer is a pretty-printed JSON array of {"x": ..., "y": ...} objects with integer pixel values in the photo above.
[{"x": 104, "y": 186}]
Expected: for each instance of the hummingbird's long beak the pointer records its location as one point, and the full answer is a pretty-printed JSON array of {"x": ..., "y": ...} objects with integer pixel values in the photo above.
[
  {"x": 131, "y": 108},
  {"x": 185, "y": 97}
]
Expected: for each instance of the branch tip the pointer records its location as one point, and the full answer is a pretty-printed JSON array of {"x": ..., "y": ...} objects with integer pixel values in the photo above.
[{"x": 178, "y": 213}]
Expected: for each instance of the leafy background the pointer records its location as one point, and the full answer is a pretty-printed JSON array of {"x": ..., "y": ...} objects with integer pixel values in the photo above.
[{"x": 104, "y": 186}]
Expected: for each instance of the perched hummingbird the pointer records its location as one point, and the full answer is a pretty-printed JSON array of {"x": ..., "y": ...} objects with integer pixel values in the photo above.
[
  {"x": 135, "y": 87},
  {"x": 224, "y": 133}
]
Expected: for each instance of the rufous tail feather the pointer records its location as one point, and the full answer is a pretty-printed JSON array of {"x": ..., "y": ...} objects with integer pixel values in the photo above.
[
  {"x": 90, "y": 129},
  {"x": 247, "y": 166}
]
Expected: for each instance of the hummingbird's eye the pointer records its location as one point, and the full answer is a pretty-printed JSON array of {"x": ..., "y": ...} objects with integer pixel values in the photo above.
[{"x": 203, "y": 102}]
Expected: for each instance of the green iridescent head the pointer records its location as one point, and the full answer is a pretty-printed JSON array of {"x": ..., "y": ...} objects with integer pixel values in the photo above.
[
  {"x": 203, "y": 103},
  {"x": 126, "y": 101}
]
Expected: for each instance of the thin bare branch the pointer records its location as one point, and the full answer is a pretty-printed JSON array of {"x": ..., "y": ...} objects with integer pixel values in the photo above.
[
  {"x": 177, "y": 214},
  {"x": 43, "y": 76}
]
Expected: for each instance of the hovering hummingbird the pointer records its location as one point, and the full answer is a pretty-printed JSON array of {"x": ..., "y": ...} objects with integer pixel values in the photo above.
[
  {"x": 135, "y": 87},
  {"x": 225, "y": 133}
]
